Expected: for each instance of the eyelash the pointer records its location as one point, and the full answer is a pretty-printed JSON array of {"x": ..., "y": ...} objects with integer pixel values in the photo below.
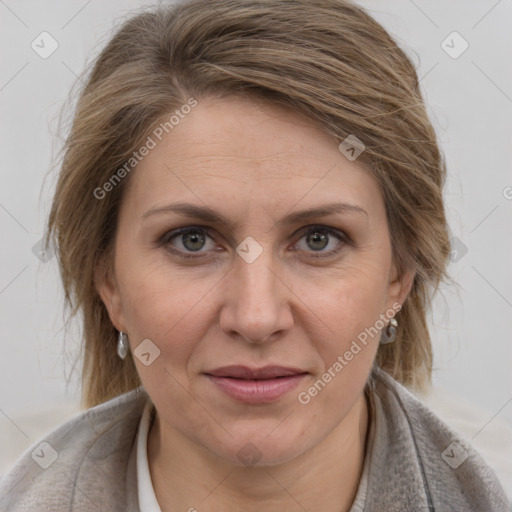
[{"x": 170, "y": 235}]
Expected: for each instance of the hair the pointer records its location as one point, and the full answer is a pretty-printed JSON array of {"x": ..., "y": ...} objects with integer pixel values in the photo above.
[{"x": 328, "y": 61}]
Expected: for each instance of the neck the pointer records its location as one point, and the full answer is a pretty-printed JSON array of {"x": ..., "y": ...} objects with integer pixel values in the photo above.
[{"x": 325, "y": 478}]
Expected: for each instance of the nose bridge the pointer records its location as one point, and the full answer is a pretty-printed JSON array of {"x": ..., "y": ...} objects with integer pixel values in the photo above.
[
  {"x": 253, "y": 273},
  {"x": 256, "y": 305}
]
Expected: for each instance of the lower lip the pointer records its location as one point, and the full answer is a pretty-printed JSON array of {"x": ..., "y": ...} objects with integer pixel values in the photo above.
[{"x": 257, "y": 391}]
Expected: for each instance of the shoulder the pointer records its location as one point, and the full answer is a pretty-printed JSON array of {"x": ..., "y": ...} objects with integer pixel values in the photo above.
[
  {"x": 451, "y": 470},
  {"x": 82, "y": 462}
]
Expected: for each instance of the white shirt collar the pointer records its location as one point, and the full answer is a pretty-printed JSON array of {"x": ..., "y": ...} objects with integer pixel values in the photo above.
[{"x": 147, "y": 498}]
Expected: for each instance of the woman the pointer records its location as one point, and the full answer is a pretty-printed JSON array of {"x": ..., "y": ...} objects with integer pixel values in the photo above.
[{"x": 249, "y": 217}]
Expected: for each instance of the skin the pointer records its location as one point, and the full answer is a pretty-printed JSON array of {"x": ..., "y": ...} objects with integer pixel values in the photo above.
[{"x": 254, "y": 163}]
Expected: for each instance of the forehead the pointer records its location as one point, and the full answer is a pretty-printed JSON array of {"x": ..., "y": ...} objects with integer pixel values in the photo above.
[{"x": 247, "y": 146}]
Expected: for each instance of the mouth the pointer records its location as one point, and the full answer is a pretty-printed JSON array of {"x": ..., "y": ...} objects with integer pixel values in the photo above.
[{"x": 261, "y": 385}]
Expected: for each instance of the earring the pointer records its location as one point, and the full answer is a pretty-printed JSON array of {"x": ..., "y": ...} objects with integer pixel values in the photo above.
[
  {"x": 388, "y": 335},
  {"x": 122, "y": 345}
]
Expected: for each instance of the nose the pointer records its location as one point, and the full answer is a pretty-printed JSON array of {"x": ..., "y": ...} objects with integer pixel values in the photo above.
[{"x": 257, "y": 302}]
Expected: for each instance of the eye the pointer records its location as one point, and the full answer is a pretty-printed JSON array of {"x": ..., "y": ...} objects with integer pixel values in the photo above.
[
  {"x": 187, "y": 240},
  {"x": 318, "y": 238}
]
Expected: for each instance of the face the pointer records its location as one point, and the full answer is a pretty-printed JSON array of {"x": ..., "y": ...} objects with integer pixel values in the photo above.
[{"x": 221, "y": 298}]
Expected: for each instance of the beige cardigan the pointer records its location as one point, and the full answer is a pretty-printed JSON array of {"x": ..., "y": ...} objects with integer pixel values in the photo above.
[{"x": 414, "y": 462}]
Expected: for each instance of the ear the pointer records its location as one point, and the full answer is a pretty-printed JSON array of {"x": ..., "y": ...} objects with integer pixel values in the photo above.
[
  {"x": 108, "y": 290},
  {"x": 399, "y": 286}
]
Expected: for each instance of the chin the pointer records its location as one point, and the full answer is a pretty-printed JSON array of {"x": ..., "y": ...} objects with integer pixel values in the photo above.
[{"x": 250, "y": 449}]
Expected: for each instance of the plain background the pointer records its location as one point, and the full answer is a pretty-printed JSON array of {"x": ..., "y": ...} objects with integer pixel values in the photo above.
[{"x": 469, "y": 100}]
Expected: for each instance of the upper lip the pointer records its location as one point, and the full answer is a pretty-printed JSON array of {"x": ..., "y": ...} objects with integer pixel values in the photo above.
[{"x": 243, "y": 372}]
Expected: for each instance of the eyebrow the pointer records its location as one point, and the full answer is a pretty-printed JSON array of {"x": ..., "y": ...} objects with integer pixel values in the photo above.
[{"x": 208, "y": 215}]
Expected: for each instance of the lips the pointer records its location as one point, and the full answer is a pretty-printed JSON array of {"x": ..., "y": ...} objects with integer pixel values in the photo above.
[
  {"x": 256, "y": 386},
  {"x": 243, "y": 372}
]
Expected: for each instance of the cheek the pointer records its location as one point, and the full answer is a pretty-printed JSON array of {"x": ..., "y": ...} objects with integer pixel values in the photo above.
[
  {"x": 351, "y": 301},
  {"x": 348, "y": 348},
  {"x": 161, "y": 306},
  {"x": 349, "y": 307}
]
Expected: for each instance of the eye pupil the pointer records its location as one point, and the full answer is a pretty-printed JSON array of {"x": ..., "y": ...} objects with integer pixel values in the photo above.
[
  {"x": 193, "y": 237},
  {"x": 316, "y": 237}
]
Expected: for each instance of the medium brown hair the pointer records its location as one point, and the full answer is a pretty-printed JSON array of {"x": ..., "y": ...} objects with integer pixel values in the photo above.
[{"x": 328, "y": 61}]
